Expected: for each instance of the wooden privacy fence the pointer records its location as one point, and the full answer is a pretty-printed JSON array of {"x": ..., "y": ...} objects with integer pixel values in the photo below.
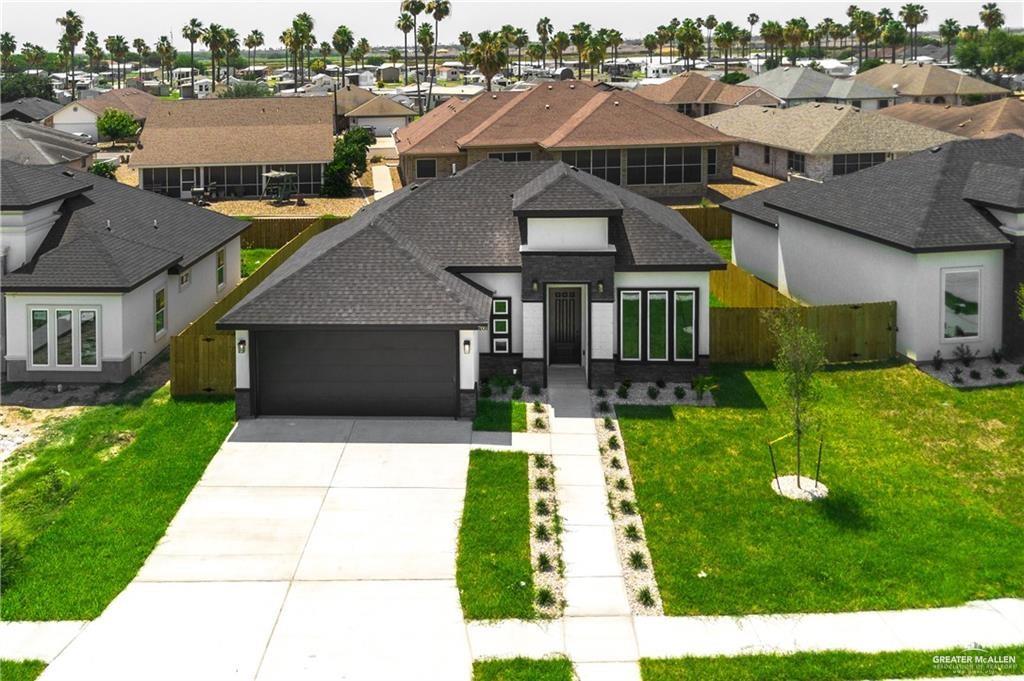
[
  {"x": 851, "y": 332},
  {"x": 276, "y": 232},
  {"x": 736, "y": 287},
  {"x": 203, "y": 357},
  {"x": 711, "y": 222}
]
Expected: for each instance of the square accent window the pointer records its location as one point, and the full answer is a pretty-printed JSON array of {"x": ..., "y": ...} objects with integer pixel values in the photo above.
[
  {"x": 87, "y": 355},
  {"x": 657, "y": 325},
  {"x": 500, "y": 306},
  {"x": 221, "y": 259},
  {"x": 795, "y": 162},
  {"x": 184, "y": 279},
  {"x": 40, "y": 337},
  {"x": 499, "y": 346},
  {"x": 159, "y": 311},
  {"x": 961, "y": 303},
  {"x": 426, "y": 168},
  {"x": 499, "y": 326},
  {"x": 629, "y": 325},
  {"x": 684, "y": 327},
  {"x": 65, "y": 326}
]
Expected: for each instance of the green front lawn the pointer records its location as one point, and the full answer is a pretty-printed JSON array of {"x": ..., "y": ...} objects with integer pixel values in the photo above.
[
  {"x": 507, "y": 417},
  {"x": 827, "y": 666},
  {"x": 27, "y": 670},
  {"x": 85, "y": 504},
  {"x": 523, "y": 669},
  {"x": 723, "y": 247},
  {"x": 925, "y": 507},
  {"x": 253, "y": 258},
  {"x": 493, "y": 569}
]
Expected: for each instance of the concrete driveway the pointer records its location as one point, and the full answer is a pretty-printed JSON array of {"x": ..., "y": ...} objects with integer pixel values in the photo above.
[{"x": 310, "y": 549}]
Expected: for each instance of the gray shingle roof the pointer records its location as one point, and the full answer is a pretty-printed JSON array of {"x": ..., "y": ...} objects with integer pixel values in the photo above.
[
  {"x": 559, "y": 189},
  {"x": 33, "y": 108},
  {"x": 996, "y": 185},
  {"x": 390, "y": 264},
  {"x": 23, "y": 187},
  {"x": 81, "y": 253},
  {"x": 915, "y": 203},
  {"x": 795, "y": 82},
  {"x": 34, "y": 144}
]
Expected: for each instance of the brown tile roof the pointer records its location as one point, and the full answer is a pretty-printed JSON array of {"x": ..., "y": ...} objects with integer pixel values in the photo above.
[
  {"x": 437, "y": 131},
  {"x": 928, "y": 80},
  {"x": 350, "y": 97},
  {"x": 136, "y": 102},
  {"x": 990, "y": 118},
  {"x": 380, "y": 105},
  {"x": 693, "y": 88},
  {"x": 228, "y": 131}
]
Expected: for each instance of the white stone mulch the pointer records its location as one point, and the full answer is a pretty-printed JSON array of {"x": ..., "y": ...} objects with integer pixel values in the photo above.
[
  {"x": 985, "y": 368},
  {"x": 806, "y": 490},
  {"x": 554, "y": 578},
  {"x": 666, "y": 396},
  {"x": 526, "y": 396}
]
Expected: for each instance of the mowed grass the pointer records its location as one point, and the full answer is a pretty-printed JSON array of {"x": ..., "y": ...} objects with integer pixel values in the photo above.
[
  {"x": 493, "y": 569},
  {"x": 83, "y": 506},
  {"x": 828, "y": 666},
  {"x": 508, "y": 417},
  {"x": 26, "y": 670},
  {"x": 723, "y": 247},
  {"x": 925, "y": 507},
  {"x": 523, "y": 669},
  {"x": 252, "y": 258}
]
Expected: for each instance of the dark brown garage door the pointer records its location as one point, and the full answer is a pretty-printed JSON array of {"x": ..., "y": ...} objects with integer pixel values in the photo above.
[{"x": 358, "y": 373}]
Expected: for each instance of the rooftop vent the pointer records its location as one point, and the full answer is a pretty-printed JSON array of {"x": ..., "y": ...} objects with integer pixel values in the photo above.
[
  {"x": 616, "y": 102},
  {"x": 68, "y": 173},
  {"x": 572, "y": 86},
  {"x": 154, "y": 223},
  {"x": 108, "y": 225},
  {"x": 550, "y": 87},
  {"x": 935, "y": 150},
  {"x": 547, "y": 106}
]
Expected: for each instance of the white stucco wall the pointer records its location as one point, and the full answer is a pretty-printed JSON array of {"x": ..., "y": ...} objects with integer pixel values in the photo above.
[
  {"x": 533, "y": 330},
  {"x": 21, "y": 232},
  {"x": 670, "y": 280},
  {"x": 504, "y": 285},
  {"x": 602, "y": 340},
  {"x": 76, "y": 118},
  {"x": 824, "y": 266},
  {"x": 755, "y": 248},
  {"x": 110, "y": 319},
  {"x": 242, "y": 360},
  {"x": 561, "y": 234}
]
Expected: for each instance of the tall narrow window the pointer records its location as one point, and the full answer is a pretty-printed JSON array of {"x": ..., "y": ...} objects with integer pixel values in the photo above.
[
  {"x": 87, "y": 335},
  {"x": 712, "y": 162},
  {"x": 629, "y": 325},
  {"x": 159, "y": 311},
  {"x": 767, "y": 155},
  {"x": 657, "y": 325},
  {"x": 65, "y": 338},
  {"x": 685, "y": 313},
  {"x": 221, "y": 258},
  {"x": 40, "y": 338},
  {"x": 961, "y": 303}
]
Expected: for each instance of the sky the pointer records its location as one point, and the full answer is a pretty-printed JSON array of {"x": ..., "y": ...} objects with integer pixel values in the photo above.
[{"x": 34, "y": 20}]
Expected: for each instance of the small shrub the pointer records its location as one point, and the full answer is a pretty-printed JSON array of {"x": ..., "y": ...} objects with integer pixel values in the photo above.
[
  {"x": 622, "y": 392},
  {"x": 544, "y": 563},
  {"x": 975, "y": 374},
  {"x": 545, "y": 598},
  {"x": 958, "y": 375},
  {"x": 608, "y": 423},
  {"x": 937, "y": 360},
  {"x": 622, "y": 485},
  {"x": 704, "y": 384},
  {"x": 539, "y": 461},
  {"x": 534, "y": 389},
  {"x": 627, "y": 384},
  {"x": 632, "y": 532},
  {"x": 601, "y": 392},
  {"x": 538, "y": 407},
  {"x": 644, "y": 597},
  {"x": 660, "y": 383},
  {"x": 603, "y": 406},
  {"x": 680, "y": 392},
  {"x": 653, "y": 392},
  {"x": 542, "y": 483},
  {"x": 637, "y": 560},
  {"x": 541, "y": 532},
  {"x": 517, "y": 392},
  {"x": 613, "y": 442},
  {"x": 485, "y": 390},
  {"x": 540, "y": 424},
  {"x": 997, "y": 356},
  {"x": 615, "y": 463},
  {"x": 999, "y": 372},
  {"x": 542, "y": 507},
  {"x": 627, "y": 507},
  {"x": 965, "y": 354}
]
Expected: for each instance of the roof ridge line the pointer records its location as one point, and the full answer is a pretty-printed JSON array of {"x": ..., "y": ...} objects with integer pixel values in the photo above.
[
  {"x": 576, "y": 120},
  {"x": 492, "y": 119}
]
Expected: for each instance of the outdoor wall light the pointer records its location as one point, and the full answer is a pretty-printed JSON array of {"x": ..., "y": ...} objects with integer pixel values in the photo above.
[
  {"x": 600, "y": 286},
  {"x": 465, "y": 347},
  {"x": 536, "y": 285},
  {"x": 241, "y": 346}
]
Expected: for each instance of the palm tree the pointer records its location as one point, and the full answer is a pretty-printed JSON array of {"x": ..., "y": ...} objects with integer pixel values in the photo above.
[
  {"x": 614, "y": 40},
  {"x": 710, "y": 22},
  {"x": 466, "y": 40},
  {"x": 71, "y": 22},
  {"x": 92, "y": 50},
  {"x": 439, "y": 10},
  {"x": 287, "y": 39},
  {"x": 8, "y": 46},
  {"x": 650, "y": 43},
  {"x": 913, "y": 15},
  {"x": 864, "y": 29},
  {"x": 948, "y": 31},
  {"x": 141, "y": 49},
  {"x": 726, "y": 35},
  {"x": 405, "y": 24},
  {"x": 119, "y": 52},
  {"x": 535, "y": 52},
  {"x": 772, "y": 34},
  {"x": 794, "y": 34},
  {"x": 214, "y": 39},
  {"x": 594, "y": 51},
  {"x": 991, "y": 16},
  {"x": 579, "y": 36},
  {"x": 894, "y": 33},
  {"x": 253, "y": 42},
  {"x": 689, "y": 39},
  {"x": 520, "y": 39},
  {"x": 165, "y": 50},
  {"x": 364, "y": 49},
  {"x": 544, "y": 30},
  {"x": 413, "y": 8},
  {"x": 427, "y": 43},
  {"x": 302, "y": 27},
  {"x": 394, "y": 55},
  {"x": 883, "y": 17},
  {"x": 193, "y": 33},
  {"x": 232, "y": 47},
  {"x": 488, "y": 55},
  {"x": 343, "y": 42},
  {"x": 752, "y": 19}
]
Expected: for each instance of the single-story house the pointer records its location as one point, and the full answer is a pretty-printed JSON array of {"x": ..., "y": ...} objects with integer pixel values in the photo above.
[
  {"x": 348, "y": 98},
  {"x": 617, "y": 135},
  {"x": 28, "y": 109},
  {"x": 800, "y": 85},
  {"x": 665, "y": 70},
  {"x": 227, "y": 145},
  {"x": 501, "y": 269},
  {"x": 819, "y": 141},
  {"x": 929, "y": 84},
  {"x": 390, "y": 72},
  {"x": 381, "y": 116},
  {"x": 80, "y": 116},
  {"x": 32, "y": 144},
  {"x": 941, "y": 232},
  {"x": 696, "y": 95},
  {"x": 99, "y": 275},
  {"x": 981, "y": 120}
]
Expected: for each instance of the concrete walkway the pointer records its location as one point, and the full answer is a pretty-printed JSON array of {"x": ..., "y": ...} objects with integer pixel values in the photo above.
[{"x": 382, "y": 184}]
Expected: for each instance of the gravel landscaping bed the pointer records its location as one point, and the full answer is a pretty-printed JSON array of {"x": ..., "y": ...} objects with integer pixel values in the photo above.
[
  {"x": 983, "y": 372},
  {"x": 651, "y": 394},
  {"x": 546, "y": 543}
]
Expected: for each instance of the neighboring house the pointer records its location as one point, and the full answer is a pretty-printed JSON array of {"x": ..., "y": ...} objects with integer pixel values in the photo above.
[
  {"x": 28, "y": 109},
  {"x": 389, "y": 73},
  {"x": 831, "y": 67},
  {"x": 616, "y": 135},
  {"x": 663, "y": 70},
  {"x": 940, "y": 232},
  {"x": 929, "y": 84},
  {"x": 502, "y": 269},
  {"x": 226, "y": 145},
  {"x": 443, "y": 93},
  {"x": 100, "y": 275},
  {"x": 799, "y": 85},
  {"x": 37, "y": 145},
  {"x": 696, "y": 95},
  {"x": 981, "y": 120},
  {"x": 819, "y": 141},
  {"x": 381, "y": 116},
  {"x": 348, "y": 98},
  {"x": 80, "y": 116}
]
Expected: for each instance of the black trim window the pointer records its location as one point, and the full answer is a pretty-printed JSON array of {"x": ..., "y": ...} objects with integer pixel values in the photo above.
[
  {"x": 663, "y": 165},
  {"x": 166, "y": 181},
  {"x": 658, "y": 325},
  {"x": 511, "y": 156},
  {"x": 426, "y": 168},
  {"x": 501, "y": 325},
  {"x": 603, "y": 163},
  {"x": 712, "y": 162},
  {"x": 221, "y": 259},
  {"x": 767, "y": 155},
  {"x": 844, "y": 164},
  {"x": 735, "y": 150},
  {"x": 159, "y": 312},
  {"x": 795, "y": 162}
]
